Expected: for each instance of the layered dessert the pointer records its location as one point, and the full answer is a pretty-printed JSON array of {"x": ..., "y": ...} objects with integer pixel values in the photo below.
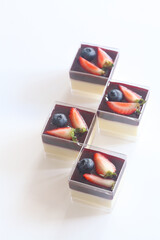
[
  {"x": 67, "y": 129},
  {"x": 96, "y": 177},
  {"x": 91, "y": 69},
  {"x": 121, "y": 109}
]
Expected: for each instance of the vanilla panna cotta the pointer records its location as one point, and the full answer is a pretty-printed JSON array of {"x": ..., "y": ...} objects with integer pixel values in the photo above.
[
  {"x": 96, "y": 176},
  {"x": 121, "y": 109},
  {"x": 67, "y": 129},
  {"x": 91, "y": 69}
]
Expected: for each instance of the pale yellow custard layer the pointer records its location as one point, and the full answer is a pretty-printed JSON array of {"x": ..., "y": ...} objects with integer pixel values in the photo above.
[
  {"x": 118, "y": 129},
  {"x": 91, "y": 200},
  {"x": 85, "y": 87},
  {"x": 95, "y": 201},
  {"x": 93, "y": 132},
  {"x": 60, "y": 152}
]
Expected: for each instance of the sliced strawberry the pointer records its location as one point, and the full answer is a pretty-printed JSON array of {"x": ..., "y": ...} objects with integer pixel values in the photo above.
[
  {"x": 77, "y": 120},
  {"x": 104, "y": 60},
  {"x": 109, "y": 183},
  {"x": 103, "y": 166},
  {"x": 123, "y": 107},
  {"x": 90, "y": 67},
  {"x": 65, "y": 133},
  {"x": 129, "y": 94}
]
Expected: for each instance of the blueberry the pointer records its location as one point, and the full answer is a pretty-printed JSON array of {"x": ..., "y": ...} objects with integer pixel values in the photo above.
[
  {"x": 88, "y": 53},
  {"x": 59, "y": 119},
  {"x": 115, "y": 95},
  {"x": 85, "y": 165}
]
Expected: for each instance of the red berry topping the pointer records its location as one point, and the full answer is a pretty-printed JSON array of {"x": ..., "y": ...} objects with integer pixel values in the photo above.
[
  {"x": 104, "y": 167},
  {"x": 123, "y": 107},
  {"x": 65, "y": 133},
  {"x": 129, "y": 94},
  {"x": 104, "y": 60},
  {"x": 90, "y": 67},
  {"x": 108, "y": 183},
  {"x": 77, "y": 120}
]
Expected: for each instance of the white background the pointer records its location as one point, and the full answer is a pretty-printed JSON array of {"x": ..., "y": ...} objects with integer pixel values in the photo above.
[{"x": 38, "y": 41}]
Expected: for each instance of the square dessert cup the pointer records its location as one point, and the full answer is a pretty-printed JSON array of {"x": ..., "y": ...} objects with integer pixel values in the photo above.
[
  {"x": 84, "y": 82},
  {"x": 120, "y": 124},
  {"x": 88, "y": 190},
  {"x": 63, "y": 145}
]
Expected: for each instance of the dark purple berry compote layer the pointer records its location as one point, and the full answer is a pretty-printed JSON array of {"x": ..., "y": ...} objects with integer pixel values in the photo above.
[
  {"x": 87, "y": 116},
  {"x": 115, "y": 85},
  {"x": 76, "y": 67},
  {"x": 89, "y": 153}
]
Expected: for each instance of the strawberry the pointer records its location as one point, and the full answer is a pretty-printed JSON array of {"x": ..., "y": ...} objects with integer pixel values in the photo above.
[
  {"x": 109, "y": 183},
  {"x": 90, "y": 67},
  {"x": 104, "y": 60},
  {"x": 66, "y": 133},
  {"x": 130, "y": 95},
  {"x": 77, "y": 121},
  {"x": 103, "y": 166},
  {"x": 123, "y": 107}
]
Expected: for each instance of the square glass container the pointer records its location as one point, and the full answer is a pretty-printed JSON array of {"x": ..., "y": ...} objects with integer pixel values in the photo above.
[
  {"x": 90, "y": 193},
  {"x": 87, "y": 83},
  {"x": 120, "y": 125},
  {"x": 63, "y": 147}
]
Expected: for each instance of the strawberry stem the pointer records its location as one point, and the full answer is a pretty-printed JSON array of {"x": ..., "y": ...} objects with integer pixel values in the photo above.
[
  {"x": 80, "y": 130},
  {"x": 74, "y": 138},
  {"x": 110, "y": 174},
  {"x": 141, "y": 101},
  {"x": 108, "y": 64},
  {"x": 138, "y": 110},
  {"x": 76, "y": 131}
]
